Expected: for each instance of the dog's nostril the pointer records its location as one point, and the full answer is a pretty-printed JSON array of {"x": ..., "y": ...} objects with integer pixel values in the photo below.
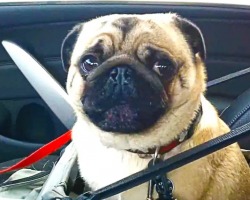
[
  {"x": 127, "y": 74},
  {"x": 121, "y": 75},
  {"x": 114, "y": 74}
]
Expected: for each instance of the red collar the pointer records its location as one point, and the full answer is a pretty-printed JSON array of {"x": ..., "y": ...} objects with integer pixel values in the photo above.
[
  {"x": 163, "y": 149},
  {"x": 169, "y": 147}
]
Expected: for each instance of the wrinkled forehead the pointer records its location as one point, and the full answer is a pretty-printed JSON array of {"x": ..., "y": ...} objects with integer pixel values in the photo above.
[{"x": 126, "y": 34}]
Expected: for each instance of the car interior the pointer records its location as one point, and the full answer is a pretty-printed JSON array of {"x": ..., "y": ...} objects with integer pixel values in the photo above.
[{"x": 27, "y": 123}]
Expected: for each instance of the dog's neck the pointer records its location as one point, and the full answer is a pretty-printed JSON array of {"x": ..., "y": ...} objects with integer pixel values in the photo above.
[
  {"x": 175, "y": 122},
  {"x": 182, "y": 137}
]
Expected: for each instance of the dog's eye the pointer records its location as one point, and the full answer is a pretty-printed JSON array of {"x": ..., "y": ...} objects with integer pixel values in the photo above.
[
  {"x": 164, "y": 68},
  {"x": 89, "y": 62}
]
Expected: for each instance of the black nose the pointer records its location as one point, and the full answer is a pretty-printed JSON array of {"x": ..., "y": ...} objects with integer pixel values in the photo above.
[
  {"x": 121, "y": 75},
  {"x": 120, "y": 84}
]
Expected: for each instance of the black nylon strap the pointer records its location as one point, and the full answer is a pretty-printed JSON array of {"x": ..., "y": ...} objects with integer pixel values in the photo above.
[{"x": 172, "y": 163}]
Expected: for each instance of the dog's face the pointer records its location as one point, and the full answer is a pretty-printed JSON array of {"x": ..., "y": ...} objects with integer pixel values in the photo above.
[{"x": 127, "y": 72}]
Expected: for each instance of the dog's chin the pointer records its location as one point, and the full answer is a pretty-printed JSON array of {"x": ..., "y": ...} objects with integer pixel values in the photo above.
[{"x": 125, "y": 119}]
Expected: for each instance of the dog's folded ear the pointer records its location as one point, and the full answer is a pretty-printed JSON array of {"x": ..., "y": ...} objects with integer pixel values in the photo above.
[
  {"x": 193, "y": 35},
  {"x": 68, "y": 46}
]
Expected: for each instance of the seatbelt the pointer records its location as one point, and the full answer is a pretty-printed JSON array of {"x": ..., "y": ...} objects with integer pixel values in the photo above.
[
  {"x": 228, "y": 77},
  {"x": 170, "y": 164}
]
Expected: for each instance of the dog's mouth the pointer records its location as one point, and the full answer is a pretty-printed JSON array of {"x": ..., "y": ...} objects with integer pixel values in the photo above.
[
  {"x": 121, "y": 113},
  {"x": 125, "y": 118},
  {"x": 122, "y": 118}
]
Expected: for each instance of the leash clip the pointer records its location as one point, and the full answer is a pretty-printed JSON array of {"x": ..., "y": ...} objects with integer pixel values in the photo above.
[
  {"x": 164, "y": 186},
  {"x": 151, "y": 184}
]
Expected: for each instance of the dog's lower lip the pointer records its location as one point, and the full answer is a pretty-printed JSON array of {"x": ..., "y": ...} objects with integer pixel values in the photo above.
[{"x": 120, "y": 118}]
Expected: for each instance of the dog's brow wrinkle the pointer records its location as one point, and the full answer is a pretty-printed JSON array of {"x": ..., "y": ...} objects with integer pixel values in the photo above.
[
  {"x": 102, "y": 41},
  {"x": 97, "y": 48},
  {"x": 125, "y": 25},
  {"x": 183, "y": 81}
]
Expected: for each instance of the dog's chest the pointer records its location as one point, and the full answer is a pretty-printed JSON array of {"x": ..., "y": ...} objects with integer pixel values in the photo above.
[{"x": 99, "y": 165}]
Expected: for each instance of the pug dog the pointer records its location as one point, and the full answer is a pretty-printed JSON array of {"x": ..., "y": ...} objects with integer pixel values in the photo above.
[{"x": 137, "y": 83}]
